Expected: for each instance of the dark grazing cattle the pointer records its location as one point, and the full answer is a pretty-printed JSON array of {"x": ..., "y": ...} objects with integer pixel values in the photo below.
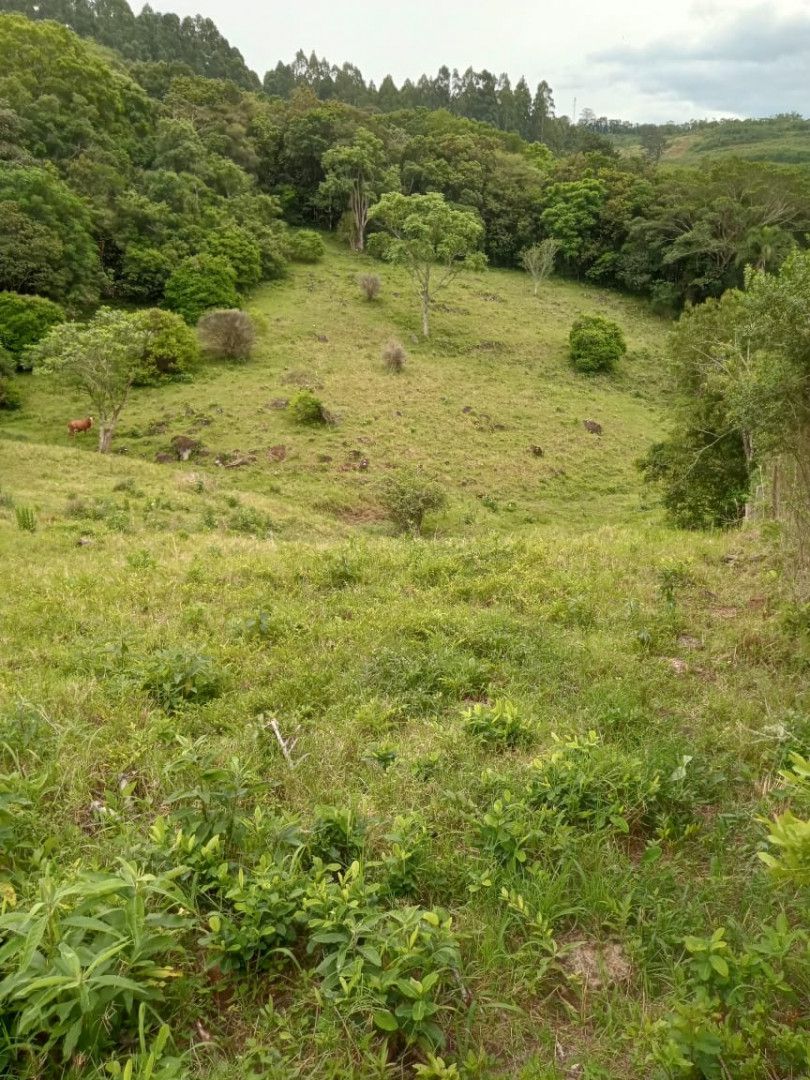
[{"x": 592, "y": 426}]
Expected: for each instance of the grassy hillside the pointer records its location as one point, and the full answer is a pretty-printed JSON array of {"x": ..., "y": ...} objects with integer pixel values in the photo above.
[
  {"x": 493, "y": 381},
  {"x": 527, "y": 753},
  {"x": 785, "y": 141}
]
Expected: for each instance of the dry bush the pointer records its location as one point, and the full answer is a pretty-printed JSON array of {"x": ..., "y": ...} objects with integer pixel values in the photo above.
[
  {"x": 228, "y": 333},
  {"x": 370, "y": 284},
  {"x": 394, "y": 355}
]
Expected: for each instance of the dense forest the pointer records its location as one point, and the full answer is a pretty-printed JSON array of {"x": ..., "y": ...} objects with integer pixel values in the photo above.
[{"x": 117, "y": 166}]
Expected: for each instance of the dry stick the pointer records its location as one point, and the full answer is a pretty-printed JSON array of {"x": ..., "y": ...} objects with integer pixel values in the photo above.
[{"x": 285, "y": 746}]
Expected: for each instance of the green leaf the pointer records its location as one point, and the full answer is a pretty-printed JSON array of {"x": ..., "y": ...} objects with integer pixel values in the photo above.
[
  {"x": 385, "y": 1020},
  {"x": 719, "y": 965},
  {"x": 71, "y": 1039}
]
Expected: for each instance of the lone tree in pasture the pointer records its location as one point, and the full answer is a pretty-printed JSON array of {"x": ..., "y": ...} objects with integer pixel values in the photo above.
[
  {"x": 538, "y": 260},
  {"x": 356, "y": 175},
  {"x": 100, "y": 359},
  {"x": 434, "y": 242}
]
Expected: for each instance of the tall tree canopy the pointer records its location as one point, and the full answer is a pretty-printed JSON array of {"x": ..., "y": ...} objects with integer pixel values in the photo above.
[{"x": 430, "y": 239}]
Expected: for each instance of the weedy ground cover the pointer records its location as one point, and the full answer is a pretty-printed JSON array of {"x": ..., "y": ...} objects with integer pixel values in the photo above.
[{"x": 285, "y": 794}]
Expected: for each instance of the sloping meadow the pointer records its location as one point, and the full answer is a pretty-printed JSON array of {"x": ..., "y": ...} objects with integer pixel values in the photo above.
[{"x": 322, "y": 808}]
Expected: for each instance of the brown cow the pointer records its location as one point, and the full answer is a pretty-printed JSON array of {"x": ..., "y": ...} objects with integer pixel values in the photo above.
[
  {"x": 75, "y": 426},
  {"x": 592, "y": 426}
]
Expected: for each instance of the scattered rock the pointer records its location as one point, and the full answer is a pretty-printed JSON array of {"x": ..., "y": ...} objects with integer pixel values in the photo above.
[
  {"x": 537, "y": 451},
  {"x": 686, "y": 641},
  {"x": 592, "y": 426},
  {"x": 163, "y": 457},
  {"x": 322, "y": 338},
  {"x": 157, "y": 427},
  {"x": 598, "y": 965},
  {"x": 467, "y": 409},
  {"x": 277, "y": 453},
  {"x": 679, "y": 666},
  {"x": 278, "y": 403},
  {"x": 85, "y": 541}
]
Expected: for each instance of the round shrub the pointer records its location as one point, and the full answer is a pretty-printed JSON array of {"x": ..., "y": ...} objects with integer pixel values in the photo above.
[
  {"x": 596, "y": 344},
  {"x": 408, "y": 495},
  {"x": 370, "y": 285},
  {"x": 199, "y": 283},
  {"x": 394, "y": 355},
  {"x": 306, "y": 246},
  {"x": 144, "y": 273},
  {"x": 24, "y": 320},
  {"x": 171, "y": 348},
  {"x": 228, "y": 333},
  {"x": 305, "y": 408},
  {"x": 237, "y": 247}
]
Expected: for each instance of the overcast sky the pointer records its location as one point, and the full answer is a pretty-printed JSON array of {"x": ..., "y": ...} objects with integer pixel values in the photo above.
[{"x": 635, "y": 59}]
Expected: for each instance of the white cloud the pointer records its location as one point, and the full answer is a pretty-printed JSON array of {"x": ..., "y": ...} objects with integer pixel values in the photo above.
[{"x": 637, "y": 59}]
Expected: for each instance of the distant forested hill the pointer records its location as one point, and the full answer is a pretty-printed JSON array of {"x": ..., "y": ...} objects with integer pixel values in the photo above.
[{"x": 148, "y": 143}]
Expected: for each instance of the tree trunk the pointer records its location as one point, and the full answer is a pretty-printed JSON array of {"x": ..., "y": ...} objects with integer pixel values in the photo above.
[
  {"x": 360, "y": 212},
  {"x": 425, "y": 314},
  {"x": 748, "y": 448},
  {"x": 105, "y": 434}
]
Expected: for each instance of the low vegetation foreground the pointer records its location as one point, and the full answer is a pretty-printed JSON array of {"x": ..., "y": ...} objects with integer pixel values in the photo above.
[{"x": 325, "y": 801}]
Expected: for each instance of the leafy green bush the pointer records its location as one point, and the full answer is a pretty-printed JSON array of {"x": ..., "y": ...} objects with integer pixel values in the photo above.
[
  {"x": 144, "y": 273},
  {"x": 498, "y": 724},
  {"x": 337, "y": 835},
  {"x": 26, "y": 519},
  {"x": 274, "y": 250},
  {"x": 408, "y": 496},
  {"x": 241, "y": 251},
  {"x": 262, "y": 917},
  {"x": 199, "y": 283},
  {"x": 405, "y": 863},
  {"x": 735, "y": 1013},
  {"x": 24, "y": 320},
  {"x": 170, "y": 347},
  {"x": 229, "y": 334},
  {"x": 596, "y": 344},
  {"x": 704, "y": 478},
  {"x": 596, "y": 786},
  {"x": 306, "y": 408},
  {"x": 306, "y": 246},
  {"x": 80, "y": 958},
  {"x": 394, "y": 968},
  {"x": 174, "y": 677},
  {"x": 789, "y": 834},
  {"x": 9, "y": 394}
]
